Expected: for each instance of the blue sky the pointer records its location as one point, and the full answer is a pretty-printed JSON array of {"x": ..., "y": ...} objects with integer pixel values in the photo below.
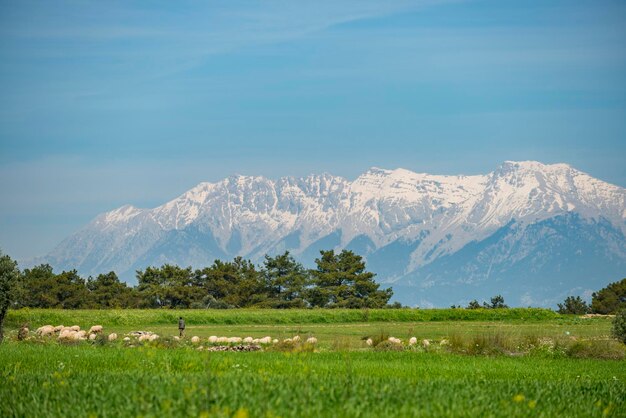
[{"x": 108, "y": 103}]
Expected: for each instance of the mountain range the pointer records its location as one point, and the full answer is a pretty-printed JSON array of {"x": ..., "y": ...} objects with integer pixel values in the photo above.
[{"x": 532, "y": 232}]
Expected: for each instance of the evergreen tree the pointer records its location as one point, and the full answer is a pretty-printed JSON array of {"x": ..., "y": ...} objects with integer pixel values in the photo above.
[
  {"x": 574, "y": 305},
  {"x": 610, "y": 299},
  {"x": 167, "y": 286},
  {"x": 106, "y": 291},
  {"x": 41, "y": 288},
  {"x": 286, "y": 280},
  {"x": 341, "y": 281},
  {"x": 9, "y": 276},
  {"x": 496, "y": 302}
]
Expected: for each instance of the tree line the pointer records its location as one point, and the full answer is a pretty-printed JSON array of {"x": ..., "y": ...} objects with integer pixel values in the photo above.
[{"x": 340, "y": 280}]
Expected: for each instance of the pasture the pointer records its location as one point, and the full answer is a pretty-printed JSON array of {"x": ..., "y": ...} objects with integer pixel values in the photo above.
[{"x": 494, "y": 366}]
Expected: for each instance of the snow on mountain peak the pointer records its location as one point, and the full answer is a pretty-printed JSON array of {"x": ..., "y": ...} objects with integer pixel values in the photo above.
[{"x": 253, "y": 215}]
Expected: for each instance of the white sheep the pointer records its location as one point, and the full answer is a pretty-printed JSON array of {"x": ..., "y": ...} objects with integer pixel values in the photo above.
[
  {"x": 265, "y": 340},
  {"x": 112, "y": 337},
  {"x": 75, "y": 328},
  {"x": 176, "y": 338},
  {"x": 311, "y": 340},
  {"x": 248, "y": 340},
  {"x": 222, "y": 340},
  {"x": 425, "y": 343},
  {"x": 444, "y": 342},
  {"x": 369, "y": 342},
  {"x": 413, "y": 341},
  {"x": 212, "y": 339},
  {"x": 195, "y": 339},
  {"x": 275, "y": 341},
  {"x": 234, "y": 340},
  {"x": 126, "y": 339},
  {"x": 288, "y": 340},
  {"x": 144, "y": 337},
  {"x": 92, "y": 337},
  {"x": 67, "y": 334},
  {"x": 395, "y": 340},
  {"x": 95, "y": 329},
  {"x": 58, "y": 328},
  {"x": 153, "y": 337},
  {"x": 45, "y": 331},
  {"x": 296, "y": 339}
]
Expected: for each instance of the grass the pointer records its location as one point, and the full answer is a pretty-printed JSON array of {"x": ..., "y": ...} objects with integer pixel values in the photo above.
[
  {"x": 56, "y": 380},
  {"x": 139, "y": 317},
  {"x": 495, "y": 364}
]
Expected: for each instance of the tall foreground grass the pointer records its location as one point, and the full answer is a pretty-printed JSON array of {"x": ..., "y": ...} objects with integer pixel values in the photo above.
[
  {"x": 56, "y": 380},
  {"x": 143, "y": 317}
]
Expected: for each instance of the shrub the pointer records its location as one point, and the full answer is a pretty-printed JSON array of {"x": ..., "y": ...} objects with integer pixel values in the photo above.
[
  {"x": 619, "y": 326},
  {"x": 388, "y": 346},
  {"x": 598, "y": 349}
]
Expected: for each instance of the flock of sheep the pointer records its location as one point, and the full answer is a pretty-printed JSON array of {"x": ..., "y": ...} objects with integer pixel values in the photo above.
[
  {"x": 412, "y": 342},
  {"x": 74, "y": 333}
]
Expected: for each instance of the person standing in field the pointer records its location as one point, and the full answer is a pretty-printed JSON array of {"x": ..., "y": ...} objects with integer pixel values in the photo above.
[{"x": 181, "y": 326}]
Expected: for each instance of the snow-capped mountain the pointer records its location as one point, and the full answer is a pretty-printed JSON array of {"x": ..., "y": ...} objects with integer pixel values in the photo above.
[{"x": 530, "y": 231}]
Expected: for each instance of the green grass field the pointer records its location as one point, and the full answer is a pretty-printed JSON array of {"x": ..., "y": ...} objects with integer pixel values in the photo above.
[{"x": 342, "y": 378}]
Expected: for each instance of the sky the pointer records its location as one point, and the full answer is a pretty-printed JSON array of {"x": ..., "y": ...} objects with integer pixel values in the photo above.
[{"x": 110, "y": 103}]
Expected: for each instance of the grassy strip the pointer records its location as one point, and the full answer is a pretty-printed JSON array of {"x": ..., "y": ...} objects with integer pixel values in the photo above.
[
  {"x": 138, "y": 317},
  {"x": 54, "y": 380}
]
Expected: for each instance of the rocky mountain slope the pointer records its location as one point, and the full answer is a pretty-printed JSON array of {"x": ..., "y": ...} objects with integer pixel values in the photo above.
[{"x": 530, "y": 231}]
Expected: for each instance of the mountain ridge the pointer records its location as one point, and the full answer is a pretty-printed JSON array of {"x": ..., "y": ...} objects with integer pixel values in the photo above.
[{"x": 435, "y": 215}]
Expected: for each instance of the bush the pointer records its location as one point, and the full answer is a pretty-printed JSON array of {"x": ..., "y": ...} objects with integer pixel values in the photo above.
[
  {"x": 388, "y": 346},
  {"x": 598, "y": 349},
  {"x": 619, "y": 326}
]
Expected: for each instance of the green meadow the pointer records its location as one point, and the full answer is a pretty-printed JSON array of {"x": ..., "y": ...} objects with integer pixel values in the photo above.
[{"x": 493, "y": 364}]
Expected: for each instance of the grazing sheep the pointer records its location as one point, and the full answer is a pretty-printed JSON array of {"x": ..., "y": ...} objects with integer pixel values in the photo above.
[
  {"x": 234, "y": 340},
  {"x": 413, "y": 341},
  {"x": 288, "y": 340},
  {"x": 153, "y": 337},
  {"x": 275, "y": 341},
  {"x": 95, "y": 329},
  {"x": 248, "y": 340},
  {"x": 296, "y": 339},
  {"x": 222, "y": 340},
  {"x": 80, "y": 335},
  {"x": 45, "y": 331},
  {"x": 92, "y": 337},
  {"x": 369, "y": 342},
  {"x": 395, "y": 340},
  {"x": 58, "y": 328},
  {"x": 425, "y": 343},
  {"x": 176, "y": 338},
  {"x": 311, "y": 340},
  {"x": 75, "y": 328},
  {"x": 444, "y": 342},
  {"x": 212, "y": 339},
  {"x": 265, "y": 340},
  {"x": 112, "y": 337},
  {"x": 66, "y": 334},
  {"x": 126, "y": 339},
  {"x": 144, "y": 337},
  {"x": 195, "y": 339}
]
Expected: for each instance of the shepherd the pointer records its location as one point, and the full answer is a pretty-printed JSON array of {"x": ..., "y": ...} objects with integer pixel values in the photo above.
[{"x": 181, "y": 326}]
